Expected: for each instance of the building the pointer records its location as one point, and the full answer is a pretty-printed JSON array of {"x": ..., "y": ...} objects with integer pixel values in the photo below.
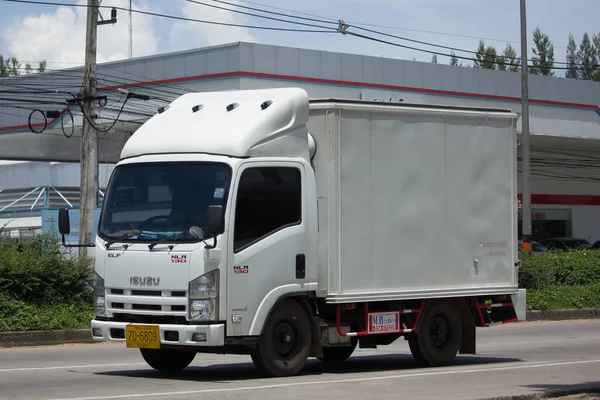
[{"x": 564, "y": 118}]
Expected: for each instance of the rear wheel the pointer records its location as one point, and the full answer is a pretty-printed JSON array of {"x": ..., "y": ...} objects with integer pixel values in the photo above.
[
  {"x": 284, "y": 345},
  {"x": 437, "y": 340},
  {"x": 167, "y": 360}
]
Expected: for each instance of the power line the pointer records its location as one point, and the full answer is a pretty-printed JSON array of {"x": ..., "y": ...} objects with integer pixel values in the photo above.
[
  {"x": 356, "y": 26},
  {"x": 331, "y": 20},
  {"x": 444, "y": 54},
  {"x": 268, "y": 28},
  {"x": 257, "y": 15}
]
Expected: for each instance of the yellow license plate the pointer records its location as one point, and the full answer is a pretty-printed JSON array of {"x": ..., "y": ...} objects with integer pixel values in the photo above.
[{"x": 142, "y": 336}]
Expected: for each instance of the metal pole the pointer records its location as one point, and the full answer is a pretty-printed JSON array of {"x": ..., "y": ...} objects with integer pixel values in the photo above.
[
  {"x": 526, "y": 204},
  {"x": 89, "y": 155},
  {"x": 130, "y": 32}
]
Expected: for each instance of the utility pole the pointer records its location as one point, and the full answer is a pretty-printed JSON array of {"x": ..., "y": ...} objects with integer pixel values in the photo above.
[
  {"x": 89, "y": 141},
  {"x": 526, "y": 204},
  {"x": 130, "y": 32}
]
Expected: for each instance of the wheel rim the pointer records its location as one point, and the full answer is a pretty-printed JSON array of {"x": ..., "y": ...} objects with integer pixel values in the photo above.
[
  {"x": 439, "y": 331},
  {"x": 285, "y": 339}
]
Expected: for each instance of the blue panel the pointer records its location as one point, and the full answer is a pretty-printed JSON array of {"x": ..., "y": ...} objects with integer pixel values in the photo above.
[
  {"x": 288, "y": 62},
  {"x": 50, "y": 224},
  {"x": 175, "y": 66},
  {"x": 393, "y": 72},
  {"x": 469, "y": 80},
  {"x": 233, "y": 59},
  {"x": 155, "y": 69},
  {"x": 246, "y": 57},
  {"x": 537, "y": 87},
  {"x": 413, "y": 74},
  {"x": 451, "y": 78},
  {"x": 310, "y": 63},
  {"x": 508, "y": 84},
  {"x": 372, "y": 69},
  {"x": 195, "y": 64},
  {"x": 487, "y": 81},
  {"x": 216, "y": 61},
  {"x": 352, "y": 68},
  {"x": 331, "y": 65},
  {"x": 264, "y": 59},
  {"x": 432, "y": 76}
]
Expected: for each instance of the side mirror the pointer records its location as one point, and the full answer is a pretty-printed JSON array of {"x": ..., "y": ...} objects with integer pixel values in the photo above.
[
  {"x": 64, "y": 224},
  {"x": 215, "y": 220}
]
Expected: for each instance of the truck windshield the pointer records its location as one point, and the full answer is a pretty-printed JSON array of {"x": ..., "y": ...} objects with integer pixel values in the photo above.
[{"x": 150, "y": 201}]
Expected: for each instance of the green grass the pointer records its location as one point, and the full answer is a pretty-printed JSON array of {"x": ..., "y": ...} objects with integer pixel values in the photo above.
[
  {"x": 564, "y": 298},
  {"x": 16, "y": 315}
]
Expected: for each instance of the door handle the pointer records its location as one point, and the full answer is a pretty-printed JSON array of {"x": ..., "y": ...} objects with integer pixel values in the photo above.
[{"x": 300, "y": 266}]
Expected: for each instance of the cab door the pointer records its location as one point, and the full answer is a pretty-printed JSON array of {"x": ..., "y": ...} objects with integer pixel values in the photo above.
[{"x": 268, "y": 252}]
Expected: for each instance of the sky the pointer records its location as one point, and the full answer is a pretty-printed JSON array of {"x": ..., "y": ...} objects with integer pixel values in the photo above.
[{"x": 32, "y": 32}]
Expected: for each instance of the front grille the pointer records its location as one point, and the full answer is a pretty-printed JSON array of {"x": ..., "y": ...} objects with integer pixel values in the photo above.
[
  {"x": 156, "y": 293},
  {"x": 144, "y": 301},
  {"x": 154, "y": 307},
  {"x": 150, "y": 319}
]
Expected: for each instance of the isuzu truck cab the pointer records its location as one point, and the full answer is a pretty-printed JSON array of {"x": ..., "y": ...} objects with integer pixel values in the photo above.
[{"x": 262, "y": 222}]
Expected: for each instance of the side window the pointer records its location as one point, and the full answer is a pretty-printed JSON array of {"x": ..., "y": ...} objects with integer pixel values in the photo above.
[{"x": 268, "y": 199}]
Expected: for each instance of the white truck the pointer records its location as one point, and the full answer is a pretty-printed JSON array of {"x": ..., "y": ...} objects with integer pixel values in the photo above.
[{"x": 261, "y": 222}]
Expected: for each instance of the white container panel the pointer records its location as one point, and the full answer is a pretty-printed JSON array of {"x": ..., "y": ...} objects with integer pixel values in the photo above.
[
  {"x": 480, "y": 193},
  {"x": 392, "y": 203}
]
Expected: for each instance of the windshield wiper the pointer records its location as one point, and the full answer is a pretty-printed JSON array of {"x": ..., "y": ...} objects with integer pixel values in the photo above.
[
  {"x": 166, "y": 239},
  {"x": 128, "y": 235}
]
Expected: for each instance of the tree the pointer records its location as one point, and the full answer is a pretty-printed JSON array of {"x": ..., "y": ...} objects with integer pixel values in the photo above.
[
  {"x": 486, "y": 57},
  {"x": 434, "y": 59},
  {"x": 453, "y": 59},
  {"x": 587, "y": 58},
  {"x": 509, "y": 60},
  {"x": 572, "y": 71},
  {"x": 543, "y": 54},
  {"x": 596, "y": 42},
  {"x": 12, "y": 67}
]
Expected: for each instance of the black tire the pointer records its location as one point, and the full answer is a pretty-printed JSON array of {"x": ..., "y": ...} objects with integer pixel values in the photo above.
[
  {"x": 338, "y": 354},
  {"x": 168, "y": 360},
  {"x": 438, "y": 339},
  {"x": 284, "y": 345}
]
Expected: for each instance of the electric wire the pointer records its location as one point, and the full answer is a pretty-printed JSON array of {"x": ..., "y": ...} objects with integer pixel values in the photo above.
[{"x": 268, "y": 28}]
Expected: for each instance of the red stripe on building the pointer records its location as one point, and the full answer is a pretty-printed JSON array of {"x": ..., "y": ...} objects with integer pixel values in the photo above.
[{"x": 563, "y": 199}]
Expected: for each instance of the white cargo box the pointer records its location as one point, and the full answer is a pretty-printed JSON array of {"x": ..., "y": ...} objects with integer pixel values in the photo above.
[{"x": 414, "y": 201}]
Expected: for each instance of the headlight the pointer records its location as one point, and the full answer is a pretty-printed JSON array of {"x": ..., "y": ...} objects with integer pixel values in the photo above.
[
  {"x": 99, "y": 301},
  {"x": 204, "y": 297},
  {"x": 203, "y": 310},
  {"x": 205, "y": 286}
]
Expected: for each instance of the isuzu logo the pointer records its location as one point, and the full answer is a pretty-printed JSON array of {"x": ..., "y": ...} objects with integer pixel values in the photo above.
[{"x": 144, "y": 280}]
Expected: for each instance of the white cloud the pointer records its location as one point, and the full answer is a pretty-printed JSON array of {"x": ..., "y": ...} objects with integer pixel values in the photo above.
[
  {"x": 187, "y": 34},
  {"x": 59, "y": 36}
]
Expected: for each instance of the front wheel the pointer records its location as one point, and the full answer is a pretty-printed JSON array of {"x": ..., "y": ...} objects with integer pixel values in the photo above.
[
  {"x": 167, "y": 360},
  {"x": 438, "y": 339},
  {"x": 284, "y": 345}
]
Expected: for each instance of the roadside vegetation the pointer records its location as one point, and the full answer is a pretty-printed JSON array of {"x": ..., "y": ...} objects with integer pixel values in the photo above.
[
  {"x": 45, "y": 287},
  {"x": 561, "y": 280}
]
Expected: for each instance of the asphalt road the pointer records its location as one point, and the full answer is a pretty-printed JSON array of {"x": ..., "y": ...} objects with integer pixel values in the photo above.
[{"x": 513, "y": 360}]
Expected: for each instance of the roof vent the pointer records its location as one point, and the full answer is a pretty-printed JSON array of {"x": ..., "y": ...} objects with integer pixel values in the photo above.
[
  {"x": 163, "y": 109},
  {"x": 232, "y": 106},
  {"x": 197, "y": 108},
  {"x": 266, "y": 104}
]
